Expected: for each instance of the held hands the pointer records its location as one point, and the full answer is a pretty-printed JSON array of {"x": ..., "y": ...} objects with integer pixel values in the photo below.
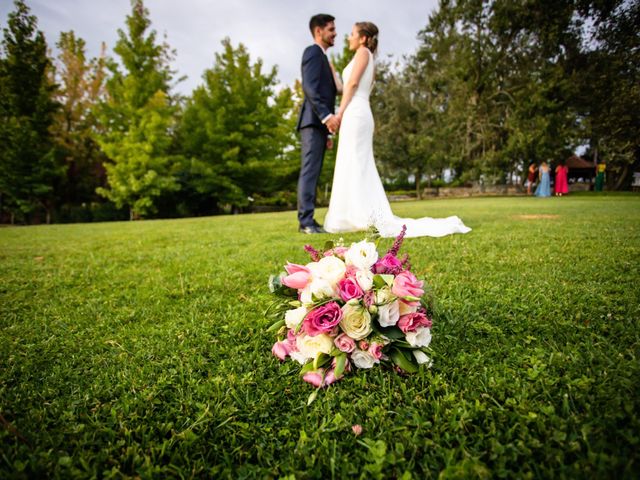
[{"x": 333, "y": 123}]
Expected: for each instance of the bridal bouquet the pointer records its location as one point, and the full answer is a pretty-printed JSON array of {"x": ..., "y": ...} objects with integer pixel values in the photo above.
[{"x": 350, "y": 308}]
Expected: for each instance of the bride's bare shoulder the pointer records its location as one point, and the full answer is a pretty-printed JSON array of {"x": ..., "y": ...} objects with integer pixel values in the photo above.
[{"x": 362, "y": 55}]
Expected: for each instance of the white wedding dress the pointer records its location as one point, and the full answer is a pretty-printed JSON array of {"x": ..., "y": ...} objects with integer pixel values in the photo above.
[{"x": 358, "y": 200}]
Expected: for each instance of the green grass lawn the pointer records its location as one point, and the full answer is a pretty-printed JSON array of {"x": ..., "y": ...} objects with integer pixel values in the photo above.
[{"x": 139, "y": 349}]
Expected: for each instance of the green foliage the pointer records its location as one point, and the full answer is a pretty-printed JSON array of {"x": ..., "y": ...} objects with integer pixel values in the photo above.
[
  {"x": 81, "y": 86},
  {"x": 237, "y": 131},
  {"x": 142, "y": 351},
  {"x": 609, "y": 97},
  {"x": 496, "y": 85},
  {"x": 138, "y": 118},
  {"x": 28, "y": 166}
]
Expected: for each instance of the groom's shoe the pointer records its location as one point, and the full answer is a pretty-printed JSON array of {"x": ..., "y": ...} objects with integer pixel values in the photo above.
[{"x": 311, "y": 229}]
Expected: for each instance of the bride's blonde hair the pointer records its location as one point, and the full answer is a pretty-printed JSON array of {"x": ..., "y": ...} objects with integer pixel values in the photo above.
[{"x": 369, "y": 30}]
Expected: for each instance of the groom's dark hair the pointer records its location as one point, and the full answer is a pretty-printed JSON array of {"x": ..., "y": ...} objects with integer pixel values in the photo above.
[{"x": 320, "y": 20}]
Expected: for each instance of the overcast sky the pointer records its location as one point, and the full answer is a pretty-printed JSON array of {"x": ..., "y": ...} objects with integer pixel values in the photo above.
[{"x": 274, "y": 30}]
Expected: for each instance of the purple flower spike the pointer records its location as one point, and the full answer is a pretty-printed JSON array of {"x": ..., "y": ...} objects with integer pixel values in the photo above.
[
  {"x": 315, "y": 255},
  {"x": 398, "y": 243}
]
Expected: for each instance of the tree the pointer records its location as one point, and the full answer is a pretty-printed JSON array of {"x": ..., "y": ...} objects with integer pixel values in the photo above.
[
  {"x": 237, "y": 132},
  {"x": 139, "y": 119},
  {"x": 609, "y": 86},
  {"x": 28, "y": 165},
  {"x": 81, "y": 88}
]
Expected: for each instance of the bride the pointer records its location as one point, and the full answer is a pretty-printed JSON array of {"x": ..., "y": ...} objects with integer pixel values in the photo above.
[{"x": 358, "y": 200}]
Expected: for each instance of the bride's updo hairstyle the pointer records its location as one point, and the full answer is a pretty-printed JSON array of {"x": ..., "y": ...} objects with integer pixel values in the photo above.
[{"x": 369, "y": 30}]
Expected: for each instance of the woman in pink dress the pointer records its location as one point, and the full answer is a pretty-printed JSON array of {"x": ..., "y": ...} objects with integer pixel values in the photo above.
[{"x": 561, "y": 185}]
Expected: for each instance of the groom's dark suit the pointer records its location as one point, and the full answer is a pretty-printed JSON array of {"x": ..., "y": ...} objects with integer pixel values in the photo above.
[{"x": 319, "y": 102}]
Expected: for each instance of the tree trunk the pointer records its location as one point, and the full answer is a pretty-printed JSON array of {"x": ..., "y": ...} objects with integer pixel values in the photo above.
[
  {"x": 131, "y": 214},
  {"x": 418, "y": 185},
  {"x": 621, "y": 178}
]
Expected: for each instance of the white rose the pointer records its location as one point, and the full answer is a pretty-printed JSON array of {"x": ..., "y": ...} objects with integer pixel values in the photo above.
[
  {"x": 365, "y": 279},
  {"x": 389, "y": 314},
  {"x": 384, "y": 295},
  {"x": 293, "y": 317},
  {"x": 311, "y": 347},
  {"x": 319, "y": 288},
  {"x": 420, "y": 338},
  {"x": 362, "y": 255},
  {"x": 362, "y": 359},
  {"x": 298, "y": 357},
  {"x": 330, "y": 269},
  {"x": 422, "y": 358},
  {"x": 356, "y": 321},
  {"x": 404, "y": 308}
]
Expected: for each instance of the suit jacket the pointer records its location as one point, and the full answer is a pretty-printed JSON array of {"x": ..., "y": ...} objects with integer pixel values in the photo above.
[{"x": 319, "y": 88}]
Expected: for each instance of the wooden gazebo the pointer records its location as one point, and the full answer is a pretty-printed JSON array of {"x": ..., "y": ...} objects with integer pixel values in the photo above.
[{"x": 580, "y": 169}]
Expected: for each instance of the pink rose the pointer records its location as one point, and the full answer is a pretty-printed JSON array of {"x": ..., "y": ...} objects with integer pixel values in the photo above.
[
  {"x": 411, "y": 321},
  {"x": 315, "y": 377},
  {"x": 279, "y": 350},
  {"x": 285, "y": 347},
  {"x": 322, "y": 319},
  {"x": 349, "y": 288},
  {"x": 407, "y": 285},
  {"x": 340, "y": 251},
  {"x": 351, "y": 271},
  {"x": 330, "y": 377},
  {"x": 336, "y": 251},
  {"x": 388, "y": 264},
  {"x": 345, "y": 343},
  {"x": 369, "y": 298},
  {"x": 357, "y": 430},
  {"x": 376, "y": 350},
  {"x": 363, "y": 345},
  {"x": 298, "y": 278}
]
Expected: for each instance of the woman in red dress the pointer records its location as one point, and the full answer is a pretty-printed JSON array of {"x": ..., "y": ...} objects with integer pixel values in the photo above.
[
  {"x": 531, "y": 177},
  {"x": 561, "y": 185}
]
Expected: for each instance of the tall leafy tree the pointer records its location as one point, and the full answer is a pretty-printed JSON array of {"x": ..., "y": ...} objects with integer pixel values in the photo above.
[
  {"x": 29, "y": 169},
  {"x": 500, "y": 66},
  {"x": 139, "y": 117},
  {"x": 81, "y": 88},
  {"x": 237, "y": 131},
  {"x": 609, "y": 87}
]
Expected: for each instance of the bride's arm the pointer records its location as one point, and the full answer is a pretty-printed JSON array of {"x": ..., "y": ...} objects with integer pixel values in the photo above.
[
  {"x": 360, "y": 62},
  {"x": 336, "y": 78}
]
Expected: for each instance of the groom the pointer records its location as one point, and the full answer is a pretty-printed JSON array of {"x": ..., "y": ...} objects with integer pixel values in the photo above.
[{"x": 316, "y": 119}]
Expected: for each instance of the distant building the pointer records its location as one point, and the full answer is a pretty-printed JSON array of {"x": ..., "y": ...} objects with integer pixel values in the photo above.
[{"x": 580, "y": 170}]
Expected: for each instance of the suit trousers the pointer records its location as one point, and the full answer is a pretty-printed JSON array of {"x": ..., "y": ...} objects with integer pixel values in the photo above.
[{"x": 314, "y": 143}]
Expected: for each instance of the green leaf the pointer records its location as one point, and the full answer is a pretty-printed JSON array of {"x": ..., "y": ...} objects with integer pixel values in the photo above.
[
  {"x": 393, "y": 333},
  {"x": 402, "y": 361},
  {"x": 341, "y": 361},
  {"x": 328, "y": 245},
  {"x": 307, "y": 367},
  {"x": 312, "y": 397},
  {"x": 411, "y": 298},
  {"x": 321, "y": 360},
  {"x": 276, "y": 326},
  {"x": 381, "y": 280}
]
